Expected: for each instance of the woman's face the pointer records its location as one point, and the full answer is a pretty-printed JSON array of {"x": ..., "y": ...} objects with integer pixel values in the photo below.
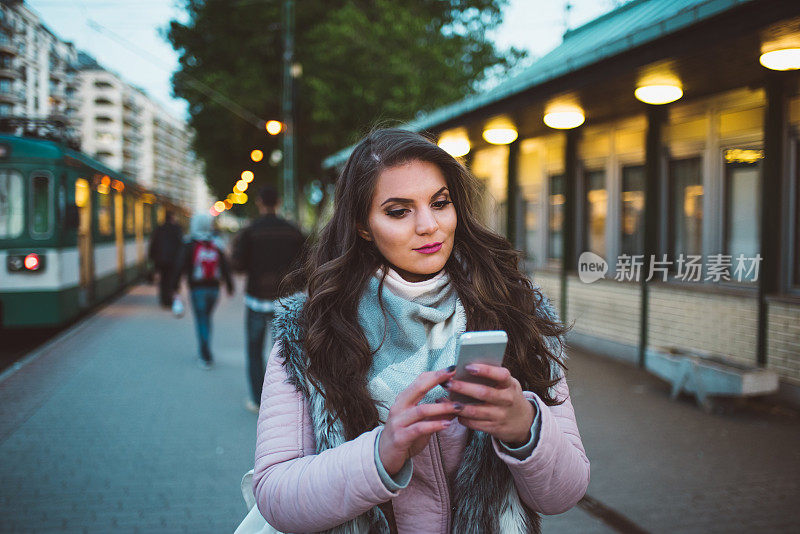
[{"x": 412, "y": 220}]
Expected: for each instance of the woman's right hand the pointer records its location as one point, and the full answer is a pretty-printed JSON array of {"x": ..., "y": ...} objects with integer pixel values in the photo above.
[{"x": 410, "y": 424}]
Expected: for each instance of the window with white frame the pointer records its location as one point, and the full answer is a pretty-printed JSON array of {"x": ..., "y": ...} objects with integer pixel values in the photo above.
[
  {"x": 632, "y": 210},
  {"x": 742, "y": 208},
  {"x": 595, "y": 207},
  {"x": 555, "y": 218},
  {"x": 685, "y": 216}
]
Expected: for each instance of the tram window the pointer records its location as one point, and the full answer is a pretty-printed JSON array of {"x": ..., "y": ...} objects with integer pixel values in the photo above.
[
  {"x": 555, "y": 217},
  {"x": 686, "y": 207},
  {"x": 595, "y": 208},
  {"x": 104, "y": 213},
  {"x": 633, "y": 210},
  {"x": 130, "y": 227},
  {"x": 12, "y": 204},
  {"x": 41, "y": 206},
  {"x": 148, "y": 218},
  {"x": 742, "y": 213}
]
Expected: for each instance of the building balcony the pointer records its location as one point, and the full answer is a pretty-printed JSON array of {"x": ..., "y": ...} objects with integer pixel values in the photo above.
[
  {"x": 9, "y": 72},
  {"x": 8, "y": 48},
  {"x": 10, "y": 97}
]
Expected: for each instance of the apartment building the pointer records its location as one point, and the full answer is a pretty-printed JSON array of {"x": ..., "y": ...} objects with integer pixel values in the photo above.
[
  {"x": 125, "y": 129},
  {"x": 37, "y": 69},
  {"x": 45, "y": 78}
]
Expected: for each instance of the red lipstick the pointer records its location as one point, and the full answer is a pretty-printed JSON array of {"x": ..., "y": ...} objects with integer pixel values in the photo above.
[{"x": 430, "y": 248}]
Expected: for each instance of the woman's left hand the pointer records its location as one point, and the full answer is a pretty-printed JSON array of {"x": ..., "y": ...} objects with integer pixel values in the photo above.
[{"x": 505, "y": 413}]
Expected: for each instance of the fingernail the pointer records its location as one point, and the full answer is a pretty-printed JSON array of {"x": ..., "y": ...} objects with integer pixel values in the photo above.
[
  {"x": 458, "y": 406},
  {"x": 446, "y": 423},
  {"x": 471, "y": 370},
  {"x": 451, "y": 369},
  {"x": 446, "y": 384}
]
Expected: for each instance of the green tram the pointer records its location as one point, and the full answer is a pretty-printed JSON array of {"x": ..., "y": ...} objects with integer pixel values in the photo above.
[{"x": 72, "y": 232}]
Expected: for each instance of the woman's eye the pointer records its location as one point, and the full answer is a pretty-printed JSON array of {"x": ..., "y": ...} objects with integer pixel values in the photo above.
[
  {"x": 441, "y": 204},
  {"x": 397, "y": 213}
]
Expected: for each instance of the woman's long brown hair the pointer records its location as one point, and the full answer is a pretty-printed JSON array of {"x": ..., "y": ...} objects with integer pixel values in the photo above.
[{"x": 484, "y": 268}]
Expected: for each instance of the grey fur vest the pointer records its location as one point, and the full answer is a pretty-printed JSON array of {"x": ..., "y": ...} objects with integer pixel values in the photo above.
[{"x": 484, "y": 498}]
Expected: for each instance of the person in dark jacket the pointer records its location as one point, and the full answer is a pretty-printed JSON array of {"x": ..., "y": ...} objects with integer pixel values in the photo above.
[
  {"x": 165, "y": 244},
  {"x": 265, "y": 250},
  {"x": 203, "y": 263}
]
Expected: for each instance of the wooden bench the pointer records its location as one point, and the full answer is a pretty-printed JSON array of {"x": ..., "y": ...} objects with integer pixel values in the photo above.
[{"x": 706, "y": 374}]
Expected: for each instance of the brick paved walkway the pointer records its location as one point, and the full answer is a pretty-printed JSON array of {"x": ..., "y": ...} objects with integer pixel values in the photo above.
[{"x": 113, "y": 427}]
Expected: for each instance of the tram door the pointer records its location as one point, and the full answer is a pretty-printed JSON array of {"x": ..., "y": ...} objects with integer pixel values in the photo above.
[
  {"x": 119, "y": 235},
  {"x": 83, "y": 200},
  {"x": 139, "y": 226}
]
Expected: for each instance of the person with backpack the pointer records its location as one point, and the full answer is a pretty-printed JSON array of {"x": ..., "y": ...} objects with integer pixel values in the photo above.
[{"x": 203, "y": 263}]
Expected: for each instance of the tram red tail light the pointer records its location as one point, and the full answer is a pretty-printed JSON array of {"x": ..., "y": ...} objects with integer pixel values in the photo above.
[{"x": 30, "y": 262}]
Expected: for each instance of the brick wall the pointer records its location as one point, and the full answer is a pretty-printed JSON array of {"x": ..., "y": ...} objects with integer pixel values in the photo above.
[
  {"x": 783, "y": 340},
  {"x": 693, "y": 320},
  {"x": 606, "y": 309}
]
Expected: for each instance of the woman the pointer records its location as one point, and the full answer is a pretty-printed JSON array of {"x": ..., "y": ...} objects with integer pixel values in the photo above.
[
  {"x": 355, "y": 432},
  {"x": 203, "y": 262}
]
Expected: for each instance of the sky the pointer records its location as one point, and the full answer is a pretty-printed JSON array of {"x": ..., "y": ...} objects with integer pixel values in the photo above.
[{"x": 126, "y": 37}]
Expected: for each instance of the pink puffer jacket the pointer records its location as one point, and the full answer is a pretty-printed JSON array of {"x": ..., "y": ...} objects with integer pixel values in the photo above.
[{"x": 299, "y": 491}]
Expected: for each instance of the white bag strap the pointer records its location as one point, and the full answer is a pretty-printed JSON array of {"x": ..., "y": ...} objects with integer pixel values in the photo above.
[{"x": 247, "y": 490}]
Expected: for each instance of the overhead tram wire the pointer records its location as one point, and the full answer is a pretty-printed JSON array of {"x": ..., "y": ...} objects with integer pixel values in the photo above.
[{"x": 241, "y": 112}]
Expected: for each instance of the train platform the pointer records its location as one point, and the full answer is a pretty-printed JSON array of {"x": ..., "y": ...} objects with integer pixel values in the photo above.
[{"x": 113, "y": 427}]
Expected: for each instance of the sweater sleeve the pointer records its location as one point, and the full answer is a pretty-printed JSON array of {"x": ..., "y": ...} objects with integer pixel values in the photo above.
[
  {"x": 297, "y": 490},
  {"x": 555, "y": 476}
]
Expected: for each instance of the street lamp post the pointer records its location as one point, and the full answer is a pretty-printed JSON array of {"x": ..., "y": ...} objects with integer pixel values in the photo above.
[{"x": 288, "y": 109}]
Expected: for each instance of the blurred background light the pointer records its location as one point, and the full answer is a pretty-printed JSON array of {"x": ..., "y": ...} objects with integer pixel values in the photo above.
[
  {"x": 455, "y": 142},
  {"x": 781, "y": 59},
  {"x": 256, "y": 155},
  {"x": 247, "y": 176},
  {"x": 500, "y": 131},
  {"x": 274, "y": 127},
  {"x": 564, "y": 116},
  {"x": 658, "y": 94}
]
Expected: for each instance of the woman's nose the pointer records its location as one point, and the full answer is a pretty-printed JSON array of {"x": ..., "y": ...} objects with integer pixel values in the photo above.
[{"x": 426, "y": 222}]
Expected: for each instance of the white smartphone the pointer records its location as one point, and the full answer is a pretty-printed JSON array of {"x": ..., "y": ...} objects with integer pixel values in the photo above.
[{"x": 486, "y": 347}]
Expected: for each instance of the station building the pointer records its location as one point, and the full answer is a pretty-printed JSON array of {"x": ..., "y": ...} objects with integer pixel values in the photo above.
[{"x": 664, "y": 139}]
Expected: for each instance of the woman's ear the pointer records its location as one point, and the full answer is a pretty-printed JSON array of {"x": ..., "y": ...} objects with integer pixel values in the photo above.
[{"x": 364, "y": 233}]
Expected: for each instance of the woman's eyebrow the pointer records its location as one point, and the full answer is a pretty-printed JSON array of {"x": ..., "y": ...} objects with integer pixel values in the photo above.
[{"x": 408, "y": 200}]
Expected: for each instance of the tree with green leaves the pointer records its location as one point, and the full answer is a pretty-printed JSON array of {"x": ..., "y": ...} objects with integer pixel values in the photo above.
[{"x": 363, "y": 62}]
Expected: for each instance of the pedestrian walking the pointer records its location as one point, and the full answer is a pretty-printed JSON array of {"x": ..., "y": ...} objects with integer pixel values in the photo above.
[
  {"x": 265, "y": 250},
  {"x": 356, "y": 432},
  {"x": 203, "y": 263},
  {"x": 165, "y": 245}
]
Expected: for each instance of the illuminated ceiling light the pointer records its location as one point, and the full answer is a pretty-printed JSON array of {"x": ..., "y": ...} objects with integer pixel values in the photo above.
[
  {"x": 781, "y": 59},
  {"x": 241, "y": 186},
  {"x": 219, "y": 206},
  {"x": 564, "y": 116},
  {"x": 274, "y": 127},
  {"x": 658, "y": 94},
  {"x": 500, "y": 131},
  {"x": 247, "y": 176},
  {"x": 256, "y": 155},
  {"x": 455, "y": 142}
]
